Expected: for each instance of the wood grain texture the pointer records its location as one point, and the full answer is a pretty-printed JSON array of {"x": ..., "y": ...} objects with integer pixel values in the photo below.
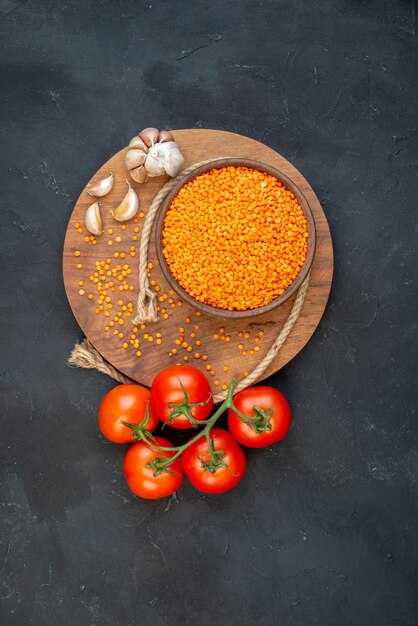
[{"x": 196, "y": 145}]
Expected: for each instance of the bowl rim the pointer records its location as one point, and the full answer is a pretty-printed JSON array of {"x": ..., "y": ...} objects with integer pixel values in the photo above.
[{"x": 260, "y": 166}]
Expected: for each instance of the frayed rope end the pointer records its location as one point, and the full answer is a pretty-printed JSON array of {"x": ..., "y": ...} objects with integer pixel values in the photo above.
[
  {"x": 146, "y": 308},
  {"x": 84, "y": 355}
]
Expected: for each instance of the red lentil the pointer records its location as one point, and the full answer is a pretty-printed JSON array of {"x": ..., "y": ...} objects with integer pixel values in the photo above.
[{"x": 235, "y": 238}]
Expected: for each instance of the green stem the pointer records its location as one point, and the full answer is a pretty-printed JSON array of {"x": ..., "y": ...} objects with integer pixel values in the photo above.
[
  {"x": 242, "y": 417},
  {"x": 163, "y": 463},
  {"x": 261, "y": 420},
  {"x": 185, "y": 408}
]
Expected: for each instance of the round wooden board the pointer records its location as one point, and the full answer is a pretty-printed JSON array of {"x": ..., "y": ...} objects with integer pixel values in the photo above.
[{"x": 196, "y": 145}]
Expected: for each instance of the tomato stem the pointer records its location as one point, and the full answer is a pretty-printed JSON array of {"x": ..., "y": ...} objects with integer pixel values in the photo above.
[
  {"x": 137, "y": 429},
  {"x": 185, "y": 408},
  {"x": 261, "y": 420},
  {"x": 216, "y": 455}
]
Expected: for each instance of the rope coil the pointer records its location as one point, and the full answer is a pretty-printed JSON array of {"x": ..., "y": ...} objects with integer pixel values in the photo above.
[{"x": 146, "y": 306}]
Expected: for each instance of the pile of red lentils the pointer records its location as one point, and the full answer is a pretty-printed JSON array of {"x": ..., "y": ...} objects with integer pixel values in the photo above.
[{"x": 235, "y": 238}]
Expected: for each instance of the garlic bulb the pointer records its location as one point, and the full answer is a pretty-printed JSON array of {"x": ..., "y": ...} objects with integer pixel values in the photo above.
[
  {"x": 102, "y": 188},
  {"x": 153, "y": 153},
  {"x": 170, "y": 156},
  {"x": 128, "y": 208},
  {"x": 93, "y": 219}
]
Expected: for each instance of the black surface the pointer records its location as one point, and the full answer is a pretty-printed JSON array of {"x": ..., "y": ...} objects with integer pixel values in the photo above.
[{"x": 323, "y": 530}]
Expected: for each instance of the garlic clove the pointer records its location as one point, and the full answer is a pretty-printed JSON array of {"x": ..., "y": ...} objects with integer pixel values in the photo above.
[
  {"x": 93, "y": 220},
  {"x": 149, "y": 136},
  {"x": 134, "y": 158},
  {"x": 171, "y": 158},
  {"x": 128, "y": 208},
  {"x": 137, "y": 143},
  {"x": 139, "y": 174},
  {"x": 165, "y": 135},
  {"x": 102, "y": 188}
]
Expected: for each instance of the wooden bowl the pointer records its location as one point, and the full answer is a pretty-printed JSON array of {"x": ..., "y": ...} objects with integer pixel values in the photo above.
[{"x": 262, "y": 167}]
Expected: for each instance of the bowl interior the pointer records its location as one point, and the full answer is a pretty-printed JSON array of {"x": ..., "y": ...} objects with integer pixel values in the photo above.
[{"x": 263, "y": 167}]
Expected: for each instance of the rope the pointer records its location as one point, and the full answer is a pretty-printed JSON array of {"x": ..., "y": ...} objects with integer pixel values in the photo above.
[
  {"x": 146, "y": 306},
  {"x": 86, "y": 356},
  {"x": 278, "y": 342}
]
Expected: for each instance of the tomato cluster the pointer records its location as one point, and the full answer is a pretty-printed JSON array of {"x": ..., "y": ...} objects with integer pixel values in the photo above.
[{"x": 181, "y": 397}]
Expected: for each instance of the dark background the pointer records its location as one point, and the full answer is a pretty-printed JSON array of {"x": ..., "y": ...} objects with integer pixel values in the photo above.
[{"x": 323, "y": 529}]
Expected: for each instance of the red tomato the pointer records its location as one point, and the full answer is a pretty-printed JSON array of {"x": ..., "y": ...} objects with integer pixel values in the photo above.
[
  {"x": 214, "y": 479},
  {"x": 170, "y": 385},
  {"x": 125, "y": 403},
  {"x": 263, "y": 398},
  {"x": 141, "y": 479}
]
